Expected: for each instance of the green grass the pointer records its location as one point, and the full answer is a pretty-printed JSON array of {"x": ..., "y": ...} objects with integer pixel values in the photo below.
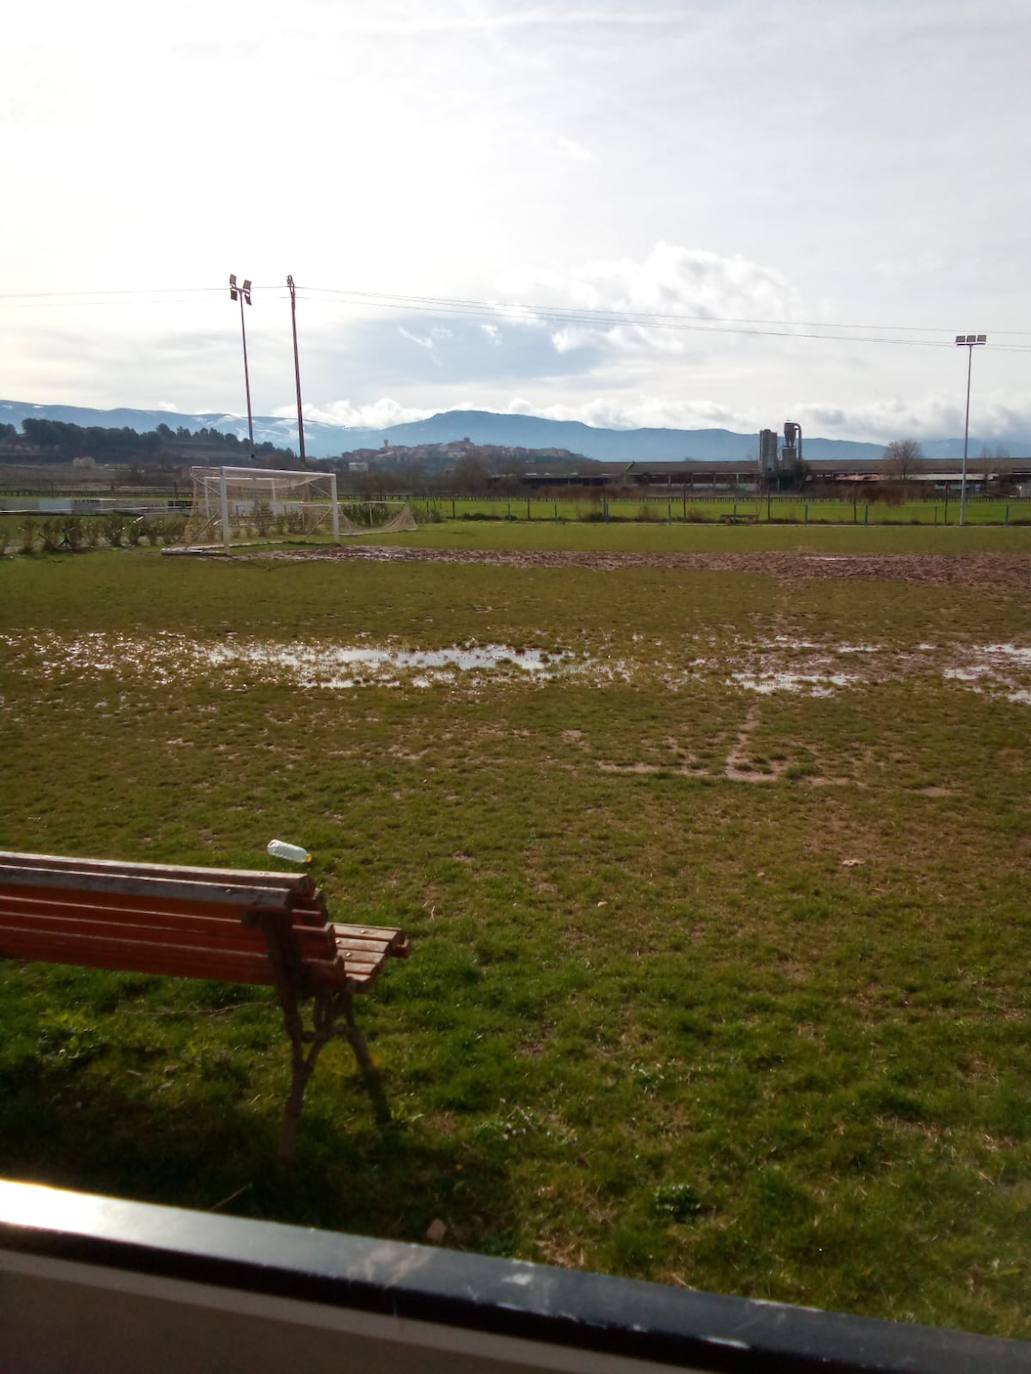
[
  {"x": 701, "y": 507},
  {"x": 653, "y": 1024},
  {"x": 648, "y": 538}
]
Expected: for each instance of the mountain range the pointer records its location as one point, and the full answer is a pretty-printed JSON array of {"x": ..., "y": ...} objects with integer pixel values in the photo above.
[{"x": 482, "y": 427}]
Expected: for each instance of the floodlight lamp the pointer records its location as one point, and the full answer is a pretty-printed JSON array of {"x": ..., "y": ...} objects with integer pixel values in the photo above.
[
  {"x": 233, "y": 291},
  {"x": 246, "y": 289}
]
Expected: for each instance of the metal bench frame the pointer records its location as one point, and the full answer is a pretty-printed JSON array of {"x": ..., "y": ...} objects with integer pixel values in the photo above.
[{"x": 232, "y": 925}]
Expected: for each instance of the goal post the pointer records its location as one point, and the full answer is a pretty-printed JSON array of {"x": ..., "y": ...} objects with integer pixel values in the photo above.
[{"x": 248, "y": 505}]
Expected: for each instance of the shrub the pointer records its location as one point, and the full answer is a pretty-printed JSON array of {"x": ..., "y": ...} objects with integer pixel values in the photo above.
[
  {"x": 50, "y": 535},
  {"x": 114, "y": 528},
  {"x": 70, "y": 533}
]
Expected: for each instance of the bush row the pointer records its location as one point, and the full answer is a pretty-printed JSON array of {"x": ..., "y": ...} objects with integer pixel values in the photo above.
[{"x": 75, "y": 534}]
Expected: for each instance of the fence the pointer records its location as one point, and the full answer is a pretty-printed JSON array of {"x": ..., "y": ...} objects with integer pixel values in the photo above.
[{"x": 682, "y": 507}]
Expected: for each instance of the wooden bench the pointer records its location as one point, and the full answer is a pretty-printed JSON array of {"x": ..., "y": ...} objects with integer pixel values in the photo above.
[
  {"x": 739, "y": 518},
  {"x": 232, "y": 925}
]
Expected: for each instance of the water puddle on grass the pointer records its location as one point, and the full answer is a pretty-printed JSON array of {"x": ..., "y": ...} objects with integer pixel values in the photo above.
[
  {"x": 814, "y": 668},
  {"x": 777, "y": 664},
  {"x": 810, "y": 684},
  {"x": 341, "y": 666},
  {"x": 167, "y": 658}
]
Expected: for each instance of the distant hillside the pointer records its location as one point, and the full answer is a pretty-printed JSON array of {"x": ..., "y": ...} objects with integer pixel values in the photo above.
[
  {"x": 492, "y": 457},
  {"x": 483, "y": 427},
  {"x": 608, "y": 445}
]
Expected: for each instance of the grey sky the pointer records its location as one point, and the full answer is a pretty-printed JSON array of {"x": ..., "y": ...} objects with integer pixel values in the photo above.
[{"x": 858, "y": 163}]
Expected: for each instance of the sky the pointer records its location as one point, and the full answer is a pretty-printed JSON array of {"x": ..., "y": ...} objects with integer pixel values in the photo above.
[{"x": 852, "y": 168}]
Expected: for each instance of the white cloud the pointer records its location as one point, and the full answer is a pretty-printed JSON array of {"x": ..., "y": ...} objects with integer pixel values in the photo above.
[
  {"x": 998, "y": 417},
  {"x": 362, "y": 415},
  {"x": 934, "y": 415},
  {"x": 671, "y": 281},
  {"x": 636, "y": 412}
]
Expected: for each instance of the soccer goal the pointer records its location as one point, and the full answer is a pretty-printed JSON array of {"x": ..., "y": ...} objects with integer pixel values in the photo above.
[{"x": 246, "y": 505}]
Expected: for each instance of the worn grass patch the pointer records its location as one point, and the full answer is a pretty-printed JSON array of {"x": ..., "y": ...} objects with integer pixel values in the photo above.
[{"x": 709, "y": 985}]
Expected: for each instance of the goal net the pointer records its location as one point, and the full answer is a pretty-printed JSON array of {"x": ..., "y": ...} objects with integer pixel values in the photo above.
[
  {"x": 373, "y": 517},
  {"x": 245, "y": 505}
]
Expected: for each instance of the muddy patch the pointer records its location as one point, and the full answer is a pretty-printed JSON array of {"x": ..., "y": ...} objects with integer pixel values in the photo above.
[{"x": 990, "y": 571}]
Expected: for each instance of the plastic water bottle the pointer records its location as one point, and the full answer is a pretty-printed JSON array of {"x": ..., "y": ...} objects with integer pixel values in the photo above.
[{"x": 293, "y": 853}]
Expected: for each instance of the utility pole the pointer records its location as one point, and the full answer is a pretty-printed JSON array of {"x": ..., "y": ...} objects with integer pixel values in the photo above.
[
  {"x": 243, "y": 295},
  {"x": 297, "y": 364},
  {"x": 969, "y": 342}
]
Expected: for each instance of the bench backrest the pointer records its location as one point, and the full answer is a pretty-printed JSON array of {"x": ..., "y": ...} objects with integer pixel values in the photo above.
[{"x": 241, "y": 926}]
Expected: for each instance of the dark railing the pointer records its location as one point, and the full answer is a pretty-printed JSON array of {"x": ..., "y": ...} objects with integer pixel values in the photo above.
[{"x": 92, "y": 1283}]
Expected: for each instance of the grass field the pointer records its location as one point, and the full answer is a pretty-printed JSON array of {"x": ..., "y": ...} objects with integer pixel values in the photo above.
[
  {"x": 715, "y": 538},
  {"x": 719, "y": 918},
  {"x": 701, "y": 508}
]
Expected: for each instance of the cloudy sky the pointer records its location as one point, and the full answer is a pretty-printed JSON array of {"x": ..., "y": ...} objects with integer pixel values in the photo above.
[{"x": 745, "y": 170}]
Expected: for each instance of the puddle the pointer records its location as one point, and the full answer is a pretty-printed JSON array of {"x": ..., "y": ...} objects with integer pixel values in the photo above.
[
  {"x": 811, "y": 684},
  {"x": 994, "y": 668},
  {"x": 169, "y": 658},
  {"x": 779, "y": 664},
  {"x": 342, "y": 666}
]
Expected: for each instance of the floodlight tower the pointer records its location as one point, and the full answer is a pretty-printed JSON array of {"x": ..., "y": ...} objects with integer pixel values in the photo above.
[
  {"x": 969, "y": 342},
  {"x": 242, "y": 293},
  {"x": 297, "y": 364}
]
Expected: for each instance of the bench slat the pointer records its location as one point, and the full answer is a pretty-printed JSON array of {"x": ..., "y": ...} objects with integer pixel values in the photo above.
[
  {"x": 300, "y": 883},
  {"x": 236, "y": 939},
  {"x": 398, "y": 941},
  {"x": 125, "y": 956},
  {"x": 132, "y": 912},
  {"x": 375, "y": 947},
  {"x": 212, "y": 893}
]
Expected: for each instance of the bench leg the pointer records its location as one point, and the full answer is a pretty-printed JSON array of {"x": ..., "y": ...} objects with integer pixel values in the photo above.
[{"x": 325, "y": 1014}]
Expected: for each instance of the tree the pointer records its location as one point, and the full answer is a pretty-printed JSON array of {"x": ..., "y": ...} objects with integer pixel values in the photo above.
[
  {"x": 902, "y": 458},
  {"x": 469, "y": 476}
]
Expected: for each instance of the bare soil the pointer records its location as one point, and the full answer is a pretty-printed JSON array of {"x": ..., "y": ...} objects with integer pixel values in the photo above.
[{"x": 1008, "y": 572}]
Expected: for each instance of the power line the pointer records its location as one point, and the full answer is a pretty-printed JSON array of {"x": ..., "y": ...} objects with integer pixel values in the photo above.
[
  {"x": 518, "y": 311},
  {"x": 492, "y": 313},
  {"x": 632, "y": 315}
]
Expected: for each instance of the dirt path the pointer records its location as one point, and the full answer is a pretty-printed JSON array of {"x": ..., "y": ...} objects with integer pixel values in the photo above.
[{"x": 994, "y": 571}]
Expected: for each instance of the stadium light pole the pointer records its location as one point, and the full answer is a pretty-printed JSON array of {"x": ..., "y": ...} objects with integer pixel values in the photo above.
[
  {"x": 969, "y": 342},
  {"x": 297, "y": 363},
  {"x": 242, "y": 293}
]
